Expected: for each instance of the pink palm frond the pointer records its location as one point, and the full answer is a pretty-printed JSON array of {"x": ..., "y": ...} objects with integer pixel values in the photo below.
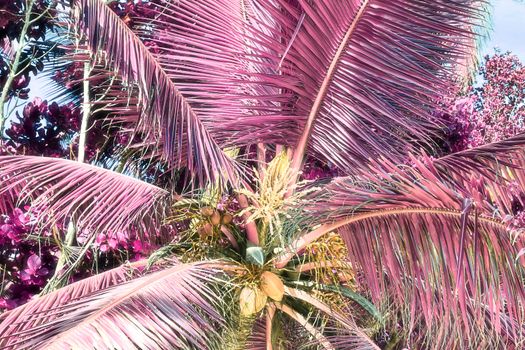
[
  {"x": 100, "y": 200},
  {"x": 367, "y": 72},
  {"x": 495, "y": 169},
  {"x": 166, "y": 113},
  {"x": 349, "y": 333},
  {"x": 438, "y": 245},
  {"x": 205, "y": 50},
  {"x": 171, "y": 307}
]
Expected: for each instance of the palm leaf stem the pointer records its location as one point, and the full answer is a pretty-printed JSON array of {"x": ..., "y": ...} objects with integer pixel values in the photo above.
[
  {"x": 60, "y": 277},
  {"x": 82, "y": 137},
  {"x": 319, "y": 264},
  {"x": 251, "y": 228},
  {"x": 261, "y": 159},
  {"x": 270, "y": 314},
  {"x": 347, "y": 293}
]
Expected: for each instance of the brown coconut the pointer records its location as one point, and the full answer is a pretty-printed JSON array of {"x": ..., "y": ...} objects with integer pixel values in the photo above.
[
  {"x": 251, "y": 301},
  {"x": 272, "y": 285}
]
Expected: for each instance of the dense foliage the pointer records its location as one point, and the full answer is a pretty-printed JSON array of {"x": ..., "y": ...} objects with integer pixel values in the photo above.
[
  {"x": 266, "y": 157},
  {"x": 493, "y": 111}
]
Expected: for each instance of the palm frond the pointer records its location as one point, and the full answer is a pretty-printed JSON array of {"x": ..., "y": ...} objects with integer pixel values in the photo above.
[
  {"x": 438, "y": 246},
  {"x": 204, "y": 48},
  {"x": 122, "y": 308},
  {"x": 166, "y": 113},
  {"x": 100, "y": 200},
  {"x": 316, "y": 334},
  {"x": 367, "y": 73},
  {"x": 495, "y": 169},
  {"x": 354, "y": 337},
  {"x": 257, "y": 338}
]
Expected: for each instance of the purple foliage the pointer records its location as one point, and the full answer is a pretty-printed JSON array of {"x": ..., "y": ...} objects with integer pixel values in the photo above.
[
  {"x": 32, "y": 58},
  {"x": 49, "y": 129},
  {"x": 26, "y": 263},
  {"x": 493, "y": 111},
  {"x": 318, "y": 170},
  {"x": 44, "y": 129}
]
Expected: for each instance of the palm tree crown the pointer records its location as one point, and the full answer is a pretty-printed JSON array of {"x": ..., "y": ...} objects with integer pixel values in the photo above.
[{"x": 237, "y": 95}]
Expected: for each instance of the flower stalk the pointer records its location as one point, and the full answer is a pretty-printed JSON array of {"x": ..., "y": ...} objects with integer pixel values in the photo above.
[{"x": 58, "y": 277}]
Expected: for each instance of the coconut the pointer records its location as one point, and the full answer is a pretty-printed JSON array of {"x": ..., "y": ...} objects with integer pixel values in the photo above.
[
  {"x": 251, "y": 301},
  {"x": 207, "y": 211},
  {"x": 227, "y": 218},
  {"x": 206, "y": 230},
  {"x": 215, "y": 218},
  {"x": 272, "y": 285}
]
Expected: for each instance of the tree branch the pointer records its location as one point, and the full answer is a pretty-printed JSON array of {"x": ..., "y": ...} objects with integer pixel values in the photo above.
[{"x": 14, "y": 68}]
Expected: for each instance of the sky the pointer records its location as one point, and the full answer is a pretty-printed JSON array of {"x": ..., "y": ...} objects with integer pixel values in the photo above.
[{"x": 508, "y": 22}]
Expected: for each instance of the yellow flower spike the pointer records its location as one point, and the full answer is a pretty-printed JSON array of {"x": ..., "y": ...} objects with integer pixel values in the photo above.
[{"x": 330, "y": 258}]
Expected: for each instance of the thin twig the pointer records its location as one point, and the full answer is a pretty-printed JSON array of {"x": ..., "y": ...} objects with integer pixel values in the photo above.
[{"x": 14, "y": 68}]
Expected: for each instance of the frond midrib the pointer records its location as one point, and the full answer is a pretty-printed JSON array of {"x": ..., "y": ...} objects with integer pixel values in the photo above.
[
  {"x": 310, "y": 237},
  {"x": 325, "y": 85}
]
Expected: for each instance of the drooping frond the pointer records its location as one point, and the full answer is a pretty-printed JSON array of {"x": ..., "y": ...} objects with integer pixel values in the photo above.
[
  {"x": 78, "y": 290},
  {"x": 351, "y": 337},
  {"x": 204, "y": 49},
  {"x": 495, "y": 169},
  {"x": 122, "y": 308},
  {"x": 367, "y": 72},
  {"x": 98, "y": 199},
  {"x": 167, "y": 114},
  {"x": 441, "y": 249}
]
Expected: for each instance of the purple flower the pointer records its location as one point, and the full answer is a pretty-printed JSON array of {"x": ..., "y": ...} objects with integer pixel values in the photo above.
[{"x": 34, "y": 273}]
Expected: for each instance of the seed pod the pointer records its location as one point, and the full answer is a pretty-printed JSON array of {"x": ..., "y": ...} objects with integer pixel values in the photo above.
[
  {"x": 206, "y": 230},
  {"x": 227, "y": 218},
  {"x": 215, "y": 218},
  {"x": 251, "y": 301},
  {"x": 207, "y": 211},
  {"x": 272, "y": 285}
]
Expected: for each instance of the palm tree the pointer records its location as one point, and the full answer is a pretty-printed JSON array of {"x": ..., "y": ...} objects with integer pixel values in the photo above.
[{"x": 261, "y": 259}]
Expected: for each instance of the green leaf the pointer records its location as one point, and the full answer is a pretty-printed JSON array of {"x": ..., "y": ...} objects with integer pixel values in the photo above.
[
  {"x": 358, "y": 298},
  {"x": 255, "y": 255},
  {"x": 347, "y": 293}
]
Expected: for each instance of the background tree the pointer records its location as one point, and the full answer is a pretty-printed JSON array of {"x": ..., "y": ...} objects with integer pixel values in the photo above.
[{"x": 493, "y": 111}]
